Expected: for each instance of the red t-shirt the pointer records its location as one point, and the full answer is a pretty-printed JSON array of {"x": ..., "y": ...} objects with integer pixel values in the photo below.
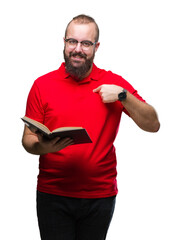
[{"x": 83, "y": 170}]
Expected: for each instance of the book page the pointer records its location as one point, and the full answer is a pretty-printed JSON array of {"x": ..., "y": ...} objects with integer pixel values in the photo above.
[
  {"x": 36, "y": 124},
  {"x": 63, "y": 129}
]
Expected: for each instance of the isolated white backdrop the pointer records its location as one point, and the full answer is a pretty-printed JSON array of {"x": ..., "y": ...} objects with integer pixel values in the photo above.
[{"x": 140, "y": 40}]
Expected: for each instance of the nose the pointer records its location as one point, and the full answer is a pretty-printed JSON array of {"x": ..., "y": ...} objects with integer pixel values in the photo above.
[{"x": 78, "y": 48}]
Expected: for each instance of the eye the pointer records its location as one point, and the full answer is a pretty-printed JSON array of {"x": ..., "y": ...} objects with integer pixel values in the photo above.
[
  {"x": 86, "y": 43},
  {"x": 72, "y": 41}
]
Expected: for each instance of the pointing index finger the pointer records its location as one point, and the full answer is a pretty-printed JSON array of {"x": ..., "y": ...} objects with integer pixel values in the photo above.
[{"x": 97, "y": 89}]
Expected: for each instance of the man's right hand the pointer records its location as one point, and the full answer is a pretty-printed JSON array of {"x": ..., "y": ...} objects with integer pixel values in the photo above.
[
  {"x": 36, "y": 144},
  {"x": 53, "y": 145}
]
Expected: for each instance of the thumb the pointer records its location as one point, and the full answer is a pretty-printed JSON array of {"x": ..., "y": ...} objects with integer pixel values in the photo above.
[{"x": 97, "y": 89}]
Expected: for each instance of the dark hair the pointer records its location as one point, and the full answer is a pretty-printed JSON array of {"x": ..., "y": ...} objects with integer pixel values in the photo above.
[{"x": 84, "y": 19}]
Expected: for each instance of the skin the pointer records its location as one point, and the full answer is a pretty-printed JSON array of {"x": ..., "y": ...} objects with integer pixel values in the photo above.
[
  {"x": 142, "y": 113},
  {"x": 81, "y": 32}
]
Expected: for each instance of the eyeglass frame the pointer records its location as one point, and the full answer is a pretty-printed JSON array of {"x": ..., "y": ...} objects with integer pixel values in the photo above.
[{"x": 67, "y": 39}]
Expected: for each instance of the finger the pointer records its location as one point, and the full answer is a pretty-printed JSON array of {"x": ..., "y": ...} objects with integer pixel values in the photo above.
[
  {"x": 70, "y": 142},
  {"x": 65, "y": 141},
  {"x": 97, "y": 89},
  {"x": 55, "y": 140}
]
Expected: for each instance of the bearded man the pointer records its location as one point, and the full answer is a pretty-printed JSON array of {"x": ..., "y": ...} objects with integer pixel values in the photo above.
[{"x": 77, "y": 185}]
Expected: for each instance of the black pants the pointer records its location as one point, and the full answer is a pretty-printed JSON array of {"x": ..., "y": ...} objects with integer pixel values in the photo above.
[{"x": 64, "y": 218}]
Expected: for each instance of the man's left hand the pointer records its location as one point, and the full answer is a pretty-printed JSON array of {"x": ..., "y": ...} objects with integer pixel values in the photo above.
[{"x": 108, "y": 92}]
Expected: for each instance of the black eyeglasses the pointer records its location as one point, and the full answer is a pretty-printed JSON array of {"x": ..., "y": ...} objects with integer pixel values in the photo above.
[{"x": 86, "y": 44}]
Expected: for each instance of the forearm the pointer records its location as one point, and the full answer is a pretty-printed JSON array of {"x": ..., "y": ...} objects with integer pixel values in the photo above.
[
  {"x": 142, "y": 113},
  {"x": 31, "y": 144},
  {"x": 36, "y": 144}
]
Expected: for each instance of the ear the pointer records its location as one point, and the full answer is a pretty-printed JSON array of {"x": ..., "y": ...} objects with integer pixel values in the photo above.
[
  {"x": 64, "y": 40},
  {"x": 97, "y": 46}
]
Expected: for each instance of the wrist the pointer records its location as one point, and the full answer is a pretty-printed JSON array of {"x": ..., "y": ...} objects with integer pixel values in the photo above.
[
  {"x": 122, "y": 95},
  {"x": 39, "y": 149}
]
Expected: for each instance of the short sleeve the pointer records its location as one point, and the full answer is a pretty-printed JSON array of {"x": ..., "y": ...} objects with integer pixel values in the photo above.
[
  {"x": 120, "y": 81},
  {"x": 34, "y": 107}
]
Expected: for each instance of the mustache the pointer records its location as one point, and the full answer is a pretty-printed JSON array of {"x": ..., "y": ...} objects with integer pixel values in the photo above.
[{"x": 72, "y": 54}]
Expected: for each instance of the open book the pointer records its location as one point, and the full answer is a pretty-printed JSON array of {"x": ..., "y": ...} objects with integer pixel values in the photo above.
[{"x": 78, "y": 134}]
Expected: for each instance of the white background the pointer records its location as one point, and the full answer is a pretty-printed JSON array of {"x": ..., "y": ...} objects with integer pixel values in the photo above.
[{"x": 141, "y": 41}]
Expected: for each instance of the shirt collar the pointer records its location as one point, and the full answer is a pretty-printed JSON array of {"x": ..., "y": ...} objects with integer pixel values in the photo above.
[{"x": 93, "y": 76}]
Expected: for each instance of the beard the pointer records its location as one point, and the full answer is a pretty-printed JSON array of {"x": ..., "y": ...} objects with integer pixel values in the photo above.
[{"x": 78, "y": 72}]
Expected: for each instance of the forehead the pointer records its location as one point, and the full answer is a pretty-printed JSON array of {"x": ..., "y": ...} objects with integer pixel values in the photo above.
[{"x": 81, "y": 31}]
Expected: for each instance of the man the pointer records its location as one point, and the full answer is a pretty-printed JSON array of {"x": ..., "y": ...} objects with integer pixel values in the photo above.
[{"x": 77, "y": 183}]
